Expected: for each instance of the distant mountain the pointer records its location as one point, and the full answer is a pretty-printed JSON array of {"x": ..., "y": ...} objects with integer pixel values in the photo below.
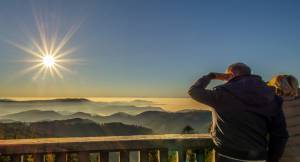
[
  {"x": 65, "y": 100},
  {"x": 167, "y": 122},
  {"x": 73, "y": 105},
  {"x": 6, "y": 121},
  {"x": 158, "y": 121},
  {"x": 34, "y": 115},
  {"x": 67, "y": 128}
]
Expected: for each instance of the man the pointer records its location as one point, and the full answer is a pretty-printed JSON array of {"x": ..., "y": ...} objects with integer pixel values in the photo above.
[{"x": 250, "y": 125}]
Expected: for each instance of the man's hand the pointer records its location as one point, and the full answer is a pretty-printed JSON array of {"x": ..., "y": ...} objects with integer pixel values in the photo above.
[{"x": 220, "y": 76}]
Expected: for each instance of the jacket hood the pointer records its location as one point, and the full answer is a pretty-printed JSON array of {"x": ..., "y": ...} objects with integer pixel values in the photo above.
[{"x": 251, "y": 90}]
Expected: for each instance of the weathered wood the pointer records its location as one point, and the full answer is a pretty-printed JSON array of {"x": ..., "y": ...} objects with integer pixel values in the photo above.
[
  {"x": 61, "y": 157},
  {"x": 213, "y": 155},
  {"x": 291, "y": 151},
  {"x": 84, "y": 156},
  {"x": 200, "y": 155},
  {"x": 144, "y": 155},
  {"x": 295, "y": 130},
  {"x": 294, "y": 121},
  {"x": 290, "y": 159},
  {"x": 182, "y": 155},
  {"x": 104, "y": 156},
  {"x": 293, "y": 141},
  {"x": 171, "y": 141},
  {"x": 124, "y": 156},
  {"x": 38, "y": 157},
  {"x": 16, "y": 158},
  {"x": 163, "y": 155}
]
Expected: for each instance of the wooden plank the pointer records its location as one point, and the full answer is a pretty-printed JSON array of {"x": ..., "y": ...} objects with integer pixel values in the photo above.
[
  {"x": 163, "y": 155},
  {"x": 175, "y": 141},
  {"x": 144, "y": 155},
  {"x": 16, "y": 158},
  {"x": 292, "y": 141},
  {"x": 213, "y": 155},
  {"x": 294, "y": 121},
  {"x": 182, "y": 155},
  {"x": 290, "y": 159},
  {"x": 124, "y": 156},
  {"x": 292, "y": 151},
  {"x": 104, "y": 156},
  {"x": 38, "y": 157},
  {"x": 294, "y": 131},
  {"x": 291, "y": 104},
  {"x": 291, "y": 112},
  {"x": 291, "y": 108},
  {"x": 61, "y": 157},
  {"x": 84, "y": 156},
  {"x": 199, "y": 155}
]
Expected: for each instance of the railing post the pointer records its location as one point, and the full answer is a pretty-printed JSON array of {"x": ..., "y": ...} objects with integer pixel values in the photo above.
[
  {"x": 182, "y": 155},
  {"x": 61, "y": 157},
  {"x": 144, "y": 156},
  {"x": 16, "y": 158},
  {"x": 84, "y": 156},
  {"x": 163, "y": 155},
  {"x": 124, "y": 156},
  {"x": 200, "y": 155},
  {"x": 104, "y": 156},
  {"x": 38, "y": 157},
  {"x": 213, "y": 155}
]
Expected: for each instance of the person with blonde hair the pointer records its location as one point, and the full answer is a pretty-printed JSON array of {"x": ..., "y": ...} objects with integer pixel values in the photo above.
[{"x": 287, "y": 87}]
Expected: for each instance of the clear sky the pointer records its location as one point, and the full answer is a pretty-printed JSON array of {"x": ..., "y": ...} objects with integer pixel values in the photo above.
[{"x": 149, "y": 48}]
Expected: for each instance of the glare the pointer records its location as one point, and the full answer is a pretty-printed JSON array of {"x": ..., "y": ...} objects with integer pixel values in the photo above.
[
  {"x": 48, "y": 50},
  {"x": 48, "y": 61}
]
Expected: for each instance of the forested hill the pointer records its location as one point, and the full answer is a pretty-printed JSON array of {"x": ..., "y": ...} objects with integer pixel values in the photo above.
[{"x": 67, "y": 128}]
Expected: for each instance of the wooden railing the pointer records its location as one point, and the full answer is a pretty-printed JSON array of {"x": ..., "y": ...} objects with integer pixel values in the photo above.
[{"x": 84, "y": 146}]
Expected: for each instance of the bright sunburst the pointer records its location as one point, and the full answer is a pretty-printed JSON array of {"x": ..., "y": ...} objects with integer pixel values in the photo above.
[
  {"x": 48, "y": 51},
  {"x": 49, "y": 61}
]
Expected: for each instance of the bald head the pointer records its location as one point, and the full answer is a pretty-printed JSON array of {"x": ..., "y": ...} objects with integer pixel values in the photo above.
[{"x": 238, "y": 69}]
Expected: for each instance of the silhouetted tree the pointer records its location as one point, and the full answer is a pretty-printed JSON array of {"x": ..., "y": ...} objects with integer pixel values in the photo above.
[
  {"x": 153, "y": 156},
  {"x": 188, "y": 130},
  {"x": 172, "y": 156}
]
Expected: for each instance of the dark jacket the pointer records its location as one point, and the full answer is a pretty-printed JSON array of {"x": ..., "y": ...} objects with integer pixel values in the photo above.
[{"x": 252, "y": 124}]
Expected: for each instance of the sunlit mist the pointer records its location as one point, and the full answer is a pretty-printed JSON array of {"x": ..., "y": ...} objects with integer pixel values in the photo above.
[{"x": 48, "y": 51}]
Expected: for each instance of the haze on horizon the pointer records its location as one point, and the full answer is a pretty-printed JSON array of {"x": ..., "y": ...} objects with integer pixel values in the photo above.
[{"x": 149, "y": 48}]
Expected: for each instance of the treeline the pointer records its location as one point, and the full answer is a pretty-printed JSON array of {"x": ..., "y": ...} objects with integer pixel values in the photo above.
[{"x": 67, "y": 128}]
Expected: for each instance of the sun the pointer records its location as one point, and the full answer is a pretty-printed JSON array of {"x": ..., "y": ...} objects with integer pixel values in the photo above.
[
  {"x": 49, "y": 51},
  {"x": 49, "y": 61}
]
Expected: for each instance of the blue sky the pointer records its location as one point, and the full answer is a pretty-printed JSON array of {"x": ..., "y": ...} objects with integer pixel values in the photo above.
[{"x": 154, "y": 48}]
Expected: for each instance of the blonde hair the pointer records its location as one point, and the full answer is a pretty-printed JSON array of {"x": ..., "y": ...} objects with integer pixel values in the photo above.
[{"x": 285, "y": 85}]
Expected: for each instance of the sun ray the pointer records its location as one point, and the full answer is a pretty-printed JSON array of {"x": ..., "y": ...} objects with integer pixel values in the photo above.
[
  {"x": 65, "y": 40},
  {"x": 57, "y": 72},
  {"x": 67, "y": 61},
  {"x": 32, "y": 61},
  {"x": 65, "y": 53},
  {"x": 42, "y": 33},
  {"x": 63, "y": 68},
  {"x": 53, "y": 42},
  {"x": 25, "y": 49},
  {"x": 51, "y": 72},
  {"x": 31, "y": 68},
  {"x": 36, "y": 45},
  {"x": 36, "y": 76}
]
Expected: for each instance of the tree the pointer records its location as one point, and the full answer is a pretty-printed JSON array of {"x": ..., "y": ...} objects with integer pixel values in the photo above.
[{"x": 188, "y": 130}]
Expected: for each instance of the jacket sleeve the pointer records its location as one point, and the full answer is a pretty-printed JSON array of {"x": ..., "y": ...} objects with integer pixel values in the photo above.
[
  {"x": 278, "y": 137},
  {"x": 199, "y": 92}
]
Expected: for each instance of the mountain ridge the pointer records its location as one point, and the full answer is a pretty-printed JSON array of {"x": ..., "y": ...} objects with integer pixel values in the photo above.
[{"x": 158, "y": 121}]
